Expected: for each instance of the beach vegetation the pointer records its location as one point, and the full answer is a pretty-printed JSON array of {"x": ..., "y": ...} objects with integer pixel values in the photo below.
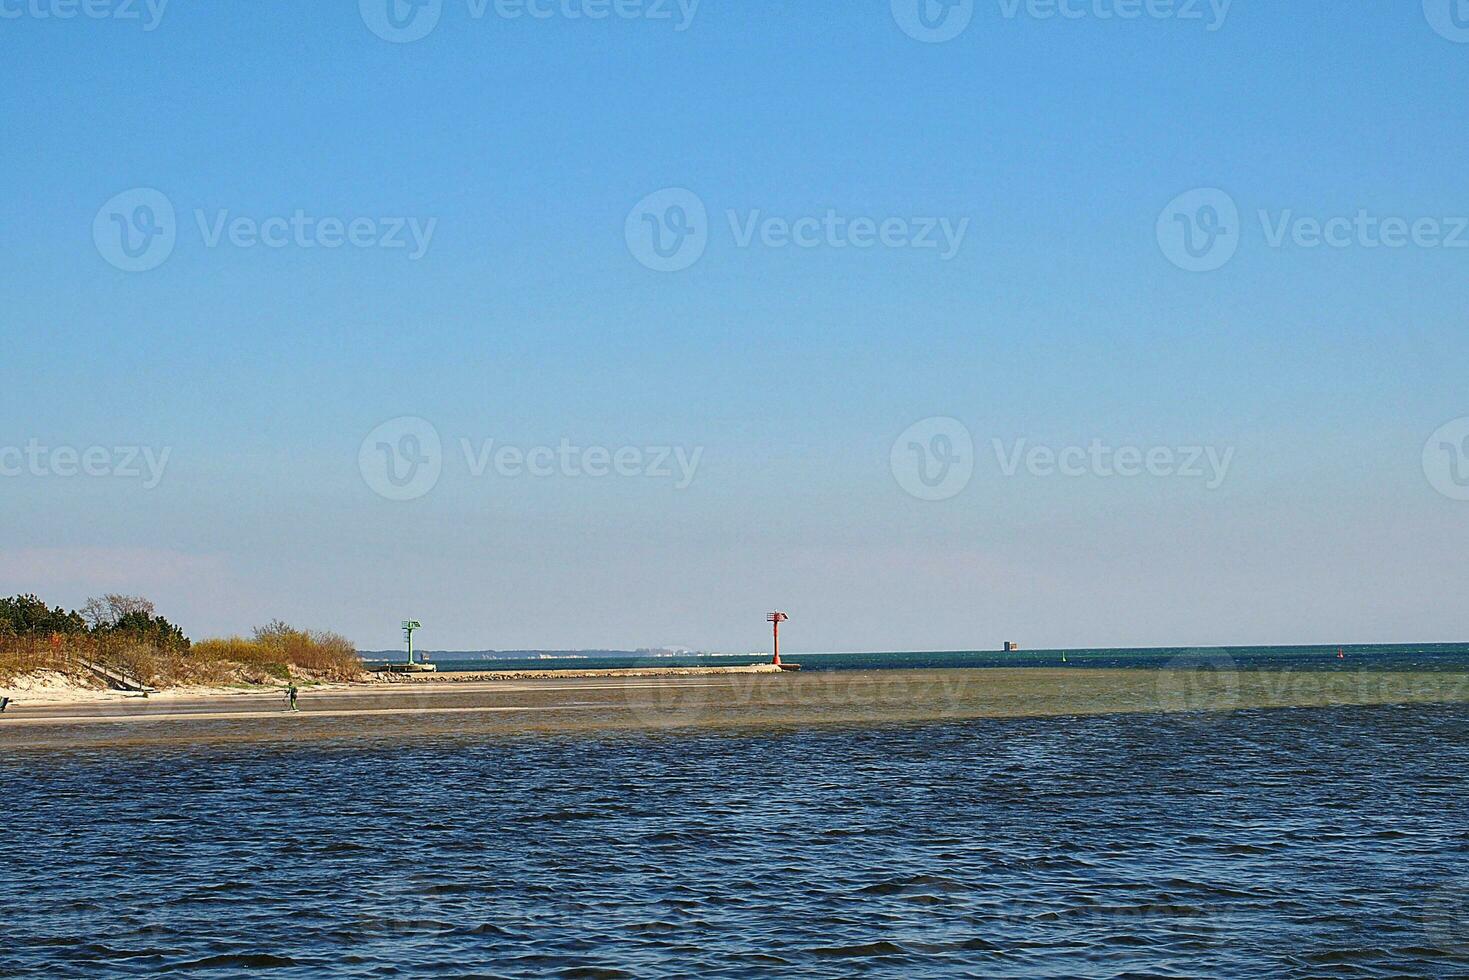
[
  {"x": 28, "y": 616},
  {"x": 283, "y": 651},
  {"x": 126, "y": 634}
]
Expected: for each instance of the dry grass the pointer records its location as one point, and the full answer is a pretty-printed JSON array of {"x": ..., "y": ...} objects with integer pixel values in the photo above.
[
  {"x": 277, "y": 654},
  {"x": 18, "y": 657},
  {"x": 285, "y": 653}
]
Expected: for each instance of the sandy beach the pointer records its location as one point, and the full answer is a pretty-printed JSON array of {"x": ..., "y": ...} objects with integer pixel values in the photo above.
[
  {"x": 47, "y": 688},
  {"x": 367, "y": 713}
]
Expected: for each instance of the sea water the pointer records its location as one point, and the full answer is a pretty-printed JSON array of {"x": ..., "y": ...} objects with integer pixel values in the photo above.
[
  {"x": 1281, "y": 843},
  {"x": 1397, "y": 657}
]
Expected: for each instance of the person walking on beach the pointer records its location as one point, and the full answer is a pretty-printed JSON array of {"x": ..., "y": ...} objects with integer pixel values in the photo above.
[
  {"x": 291, "y": 695},
  {"x": 4, "y": 703}
]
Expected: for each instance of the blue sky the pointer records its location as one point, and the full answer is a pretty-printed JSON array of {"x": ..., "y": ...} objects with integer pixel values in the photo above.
[{"x": 529, "y": 319}]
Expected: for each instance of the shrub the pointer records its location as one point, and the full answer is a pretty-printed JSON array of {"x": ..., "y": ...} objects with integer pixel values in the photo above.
[
  {"x": 26, "y": 655},
  {"x": 124, "y": 633},
  {"x": 277, "y": 647},
  {"x": 311, "y": 650}
]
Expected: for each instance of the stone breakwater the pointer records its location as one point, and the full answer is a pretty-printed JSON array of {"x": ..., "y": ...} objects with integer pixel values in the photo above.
[{"x": 474, "y": 676}]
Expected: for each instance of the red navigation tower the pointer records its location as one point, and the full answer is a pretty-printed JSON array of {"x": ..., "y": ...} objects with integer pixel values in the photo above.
[{"x": 775, "y": 619}]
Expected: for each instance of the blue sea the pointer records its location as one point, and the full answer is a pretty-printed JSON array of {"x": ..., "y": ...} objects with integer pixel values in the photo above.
[
  {"x": 1402, "y": 656},
  {"x": 1261, "y": 843}
]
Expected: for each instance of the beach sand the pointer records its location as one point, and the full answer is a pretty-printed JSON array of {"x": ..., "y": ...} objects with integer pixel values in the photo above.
[
  {"x": 49, "y": 687},
  {"x": 370, "y": 714}
]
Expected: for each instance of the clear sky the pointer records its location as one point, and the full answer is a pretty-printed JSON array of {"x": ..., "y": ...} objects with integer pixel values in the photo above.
[{"x": 595, "y": 268}]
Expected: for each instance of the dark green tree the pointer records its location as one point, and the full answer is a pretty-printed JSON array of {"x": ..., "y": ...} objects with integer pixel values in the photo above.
[
  {"x": 27, "y": 615},
  {"x": 152, "y": 630}
]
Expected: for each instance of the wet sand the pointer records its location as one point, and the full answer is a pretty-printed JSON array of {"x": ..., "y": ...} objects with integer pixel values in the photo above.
[{"x": 373, "y": 714}]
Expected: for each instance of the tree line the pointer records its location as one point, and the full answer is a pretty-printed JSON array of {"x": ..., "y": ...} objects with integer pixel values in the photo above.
[{"x": 110, "y": 616}]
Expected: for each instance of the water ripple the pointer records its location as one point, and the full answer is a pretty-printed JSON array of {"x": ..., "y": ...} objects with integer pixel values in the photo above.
[{"x": 1292, "y": 843}]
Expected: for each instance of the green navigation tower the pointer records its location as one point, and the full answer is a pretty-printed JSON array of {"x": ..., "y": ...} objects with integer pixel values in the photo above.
[{"x": 409, "y": 625}]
